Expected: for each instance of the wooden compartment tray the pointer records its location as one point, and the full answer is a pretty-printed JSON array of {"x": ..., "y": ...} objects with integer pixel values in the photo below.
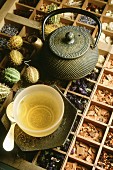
[{"x": 90, "y": 147}]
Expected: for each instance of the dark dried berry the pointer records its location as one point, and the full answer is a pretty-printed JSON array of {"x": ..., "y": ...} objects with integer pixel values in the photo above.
[{"x": 10, "y": 29}]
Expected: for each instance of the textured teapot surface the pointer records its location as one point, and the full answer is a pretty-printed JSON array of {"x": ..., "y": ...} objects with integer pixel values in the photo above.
[
  {"x": 69, "y": 42},
  {"x": 69, "y": 52},
  {"x": 71, "y": 62}
]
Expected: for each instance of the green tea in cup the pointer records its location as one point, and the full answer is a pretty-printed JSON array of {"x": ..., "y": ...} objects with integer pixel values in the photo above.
[{"x": 38, "y": 110}]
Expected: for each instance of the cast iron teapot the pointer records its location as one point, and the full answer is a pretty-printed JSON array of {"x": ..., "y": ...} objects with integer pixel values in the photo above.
[{"x": 69, "y": 52}]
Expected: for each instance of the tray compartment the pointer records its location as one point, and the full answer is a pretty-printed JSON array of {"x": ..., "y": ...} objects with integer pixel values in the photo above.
[
  {"x": 50, "y": 159},
  {"x": 107, "y": 40},
  {"x": 94, "y": 75},
  {"x": 44, "y": 5},
  {"x": 29, "y": 2},
  {"x": 38, "y": 15},
  {"x": 67, "y": 144},
  {"x": 107, "y": 24},
  {"x": 75, "y": 3},
  {"x": 104, "y": 95},
  {"x": 76, "y": 124},
  {"x": 92, "y": 131},
  {"x": 83, "y": 151},
  {"x": 28, "y": 34},
  {"x": 23, "y": 11},
  {"x": 106, "y": 159},
  {"x": 71, "y": 163},
  {"x": 58, "y": 1},
  {"x": 27, "y": 156},
  {"x": 82, "y": 86},
  {"x": 102, "y": 58},
  {"x": 97, "y": 112},
  {"x": 3, "y": 42},
  {"x": 109, "y": 139},
  {"x": 108, "y": 12},
  {"x": 78, "y": 101},
  {"x": 57, "y": 158},
  {"x": 87, "y": 20},
  {"x": 96, "y": 7},
  {"x": 26, "y": 50},
  {"x": 3, "y": 49},
  {"x": 10, "y": 28},
  {"x": 68, "y": 15},
  {"x": 107, "y": 79},
  {"x": 109, "y": 64}
]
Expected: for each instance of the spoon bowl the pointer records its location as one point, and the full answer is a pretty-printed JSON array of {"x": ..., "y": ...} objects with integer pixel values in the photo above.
[{"x": 8, "y": 143}]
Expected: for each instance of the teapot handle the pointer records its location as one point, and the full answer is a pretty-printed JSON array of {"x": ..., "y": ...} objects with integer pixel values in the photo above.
[{"x": 74, "y": 10}]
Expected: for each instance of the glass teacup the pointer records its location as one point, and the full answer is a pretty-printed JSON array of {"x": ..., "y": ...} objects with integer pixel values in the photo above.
[{"x": 38, "y": 110}]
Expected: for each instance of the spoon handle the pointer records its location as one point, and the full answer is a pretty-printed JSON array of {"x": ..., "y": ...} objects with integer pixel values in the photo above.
[{"x": 8, "y": 143}]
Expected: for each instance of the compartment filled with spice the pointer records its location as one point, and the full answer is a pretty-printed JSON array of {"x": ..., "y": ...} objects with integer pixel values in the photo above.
[
  {"x": 101, "y": 58},
  {"x": 82, "y": 86},
  {"x": 38, "y": 16},
  {"x": 78, "y": 101},
  {"x": 4, "y": 51},
  {"x": 92, "y": 131},
  {"x": 94, "y": 75},
  {"x": 47, "y": 6},
  {"x": 86, "y": 20},
  {"x": 96, "y": 7},
  {"x": 75, "y": 3},
  {"x": 98, "y": 112},
  {"x": 107, "y": 40},
  {"x": 109, "y": 139},
  {"x": 107, "y": 24},
  {"x": 10, "y": 28},
  {"x": 107, "y": 79},
  {"x": 108, "y": 12},
  {"x": 83, "y": 151},
  {"x": 106, "y": 159},
  {"x": 50, "y": 159},
  {"x": 104, "y": 95},
  {"x": 68, "y": 15},
  {"x": 71, "y": 164},
  {"x": 109, "y": 63},
  {"x": 90, "y": 95}
]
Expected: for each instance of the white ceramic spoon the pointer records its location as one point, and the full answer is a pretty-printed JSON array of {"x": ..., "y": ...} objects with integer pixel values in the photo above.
[{"x": 8, "y": 143}]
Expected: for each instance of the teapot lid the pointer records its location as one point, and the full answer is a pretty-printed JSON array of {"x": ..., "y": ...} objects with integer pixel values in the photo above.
[{"x": 69, "y": 42}]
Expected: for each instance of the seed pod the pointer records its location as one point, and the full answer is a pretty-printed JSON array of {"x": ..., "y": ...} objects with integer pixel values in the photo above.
[
  {"x": 31, "y": 74},
  {"x": 11, "y": 75},
  {"x": 16, "y": 57},
  {"x": 15, "y": 42},
  {"x": 4, "y": 91}
]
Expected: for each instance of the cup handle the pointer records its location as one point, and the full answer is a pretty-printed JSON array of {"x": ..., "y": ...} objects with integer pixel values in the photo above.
[{"x": 8, "y": 143}]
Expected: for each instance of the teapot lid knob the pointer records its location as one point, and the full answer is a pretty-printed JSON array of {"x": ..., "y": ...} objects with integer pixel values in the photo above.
[
  {"x": 69, "y": 37},
  {"x": 69, "y": 42}
]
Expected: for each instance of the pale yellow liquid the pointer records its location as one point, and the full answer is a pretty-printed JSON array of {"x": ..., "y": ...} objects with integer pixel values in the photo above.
[{"x": 38, "y": 111}]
